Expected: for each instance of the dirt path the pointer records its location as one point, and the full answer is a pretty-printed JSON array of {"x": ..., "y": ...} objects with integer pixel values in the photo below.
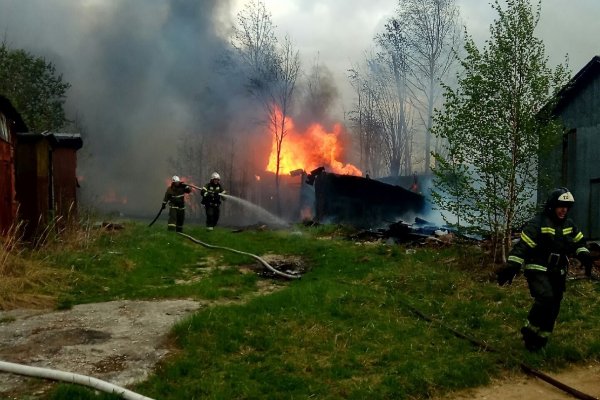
[{"x": 585, "y": 379}]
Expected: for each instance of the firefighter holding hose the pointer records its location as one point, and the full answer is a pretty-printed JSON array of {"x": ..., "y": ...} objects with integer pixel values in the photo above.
[
  {"x": 211, "y": 199},
  {"x": 542, "y": 252},
  {"x": 175, "y": 197}
]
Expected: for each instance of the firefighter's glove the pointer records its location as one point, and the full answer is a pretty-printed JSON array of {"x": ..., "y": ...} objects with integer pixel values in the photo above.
[
  {"x": 163, "y": 206},
  {"x": 507, "y": 273}
]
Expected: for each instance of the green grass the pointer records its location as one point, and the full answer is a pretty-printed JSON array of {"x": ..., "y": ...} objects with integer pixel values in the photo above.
[{"x": 343, "y": 331}]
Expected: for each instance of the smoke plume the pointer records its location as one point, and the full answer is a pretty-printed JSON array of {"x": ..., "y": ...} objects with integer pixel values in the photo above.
[{"x": 143, "y": 73}]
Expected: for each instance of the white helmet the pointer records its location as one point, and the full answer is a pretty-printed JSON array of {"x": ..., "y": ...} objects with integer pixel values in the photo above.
[
  {"x": 215, "y": 175},
  {"x": 175, "y": 179}
]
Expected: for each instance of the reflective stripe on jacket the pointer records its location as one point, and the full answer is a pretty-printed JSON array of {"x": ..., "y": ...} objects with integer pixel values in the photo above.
[
  {"x": 211, "y": 194},
  {"x": 545, "y": 244},
  {"x": 175, "y": 195}
]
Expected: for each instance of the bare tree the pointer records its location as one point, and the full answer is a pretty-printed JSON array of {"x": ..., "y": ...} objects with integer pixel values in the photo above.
[
  {"x": 281, "y": 96},
  {"x": 366, "y": 123},
  {"x": 395, "y": 96},
  {"x": 431, "y": 30},
  {"x": 272, "y": 70},
  {"x": 394, "y": 116},
  {"x": 255, "y": 43},
  {"x": 381, "y": 115}
]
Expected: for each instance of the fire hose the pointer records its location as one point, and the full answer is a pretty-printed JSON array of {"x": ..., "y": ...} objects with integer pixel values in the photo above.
[
  {"x": 70, "y": 377},
  {"x": 262, "y": 261},
  {"x": 484, "y": 346}
]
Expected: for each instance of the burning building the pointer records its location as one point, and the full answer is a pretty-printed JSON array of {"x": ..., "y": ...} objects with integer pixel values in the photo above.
[
  {"x": 333, "y": 191},
  {"x": 360, "y": 201}
]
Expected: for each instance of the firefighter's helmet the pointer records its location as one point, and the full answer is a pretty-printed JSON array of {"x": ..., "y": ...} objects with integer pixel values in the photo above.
[
  {"x": 215, "y": 175},
  {"x": 175, "y": 179},
  {"x": 559, "y": 197}
]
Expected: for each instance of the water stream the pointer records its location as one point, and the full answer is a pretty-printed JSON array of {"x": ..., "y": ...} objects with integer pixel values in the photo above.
[{"x": 264, "y": 215}]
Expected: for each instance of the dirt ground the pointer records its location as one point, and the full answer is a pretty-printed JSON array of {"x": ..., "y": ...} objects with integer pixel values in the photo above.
[{"x": 585, "y": 379}]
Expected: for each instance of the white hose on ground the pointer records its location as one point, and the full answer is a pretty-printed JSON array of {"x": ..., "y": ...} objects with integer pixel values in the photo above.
[
  {"x": 70, "y": 377},
  {"x": 263, "y": 262}
]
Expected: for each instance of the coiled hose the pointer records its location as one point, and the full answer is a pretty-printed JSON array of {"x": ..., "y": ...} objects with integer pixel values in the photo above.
[{"x": 263, "y": 262}]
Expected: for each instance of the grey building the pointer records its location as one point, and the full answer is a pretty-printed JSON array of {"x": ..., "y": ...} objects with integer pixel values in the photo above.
[{"x": 576, "y": 163}]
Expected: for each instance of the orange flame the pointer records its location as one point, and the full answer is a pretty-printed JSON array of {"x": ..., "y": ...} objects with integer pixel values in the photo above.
[{"x": 310, "y": 149}]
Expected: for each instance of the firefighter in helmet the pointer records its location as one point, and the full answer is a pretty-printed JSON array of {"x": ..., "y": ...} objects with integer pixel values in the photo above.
[
  {"x": 211, "y": 199},
  {"x": 542, "y": 252},
  {"x": 175, "y": 197}
]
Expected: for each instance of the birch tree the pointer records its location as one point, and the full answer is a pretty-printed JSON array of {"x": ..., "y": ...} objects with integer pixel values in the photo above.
[{"x": 496, "y": 126}]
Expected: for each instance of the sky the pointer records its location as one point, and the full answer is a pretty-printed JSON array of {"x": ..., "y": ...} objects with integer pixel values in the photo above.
[
  {"x": 143, "y": 73},
  {"x": 339, "y": 32}
]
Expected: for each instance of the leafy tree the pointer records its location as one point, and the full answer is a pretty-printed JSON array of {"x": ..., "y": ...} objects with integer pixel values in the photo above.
[
  {"x": 34, "y": 88},
  {"x": 496, "y": 126}
]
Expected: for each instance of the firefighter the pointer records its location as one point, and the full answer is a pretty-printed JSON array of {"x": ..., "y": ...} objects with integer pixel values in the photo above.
[
  {"x": 175, "y": 197},
  {"x": 211, "y": 199},
  {"x": 542, "y": 252}
]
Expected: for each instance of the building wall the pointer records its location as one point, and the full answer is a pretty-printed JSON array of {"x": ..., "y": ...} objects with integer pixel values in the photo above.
[
  {"x": 32, "y": 183},
  {"x": 7, "y": 183},
  {"x": 580, "y": 155},
  {"x": 64, "y": 183}
]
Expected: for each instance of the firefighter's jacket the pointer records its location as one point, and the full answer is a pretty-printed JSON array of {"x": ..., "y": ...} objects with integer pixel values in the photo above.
[
  {"x": 546, "y": 243},
  {"x": 211, "y": 194},
  {"x": 175, "y": 195}
]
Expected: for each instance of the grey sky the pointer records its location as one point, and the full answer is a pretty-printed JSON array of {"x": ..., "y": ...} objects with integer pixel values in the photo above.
[{"x": 339, "y": 32}]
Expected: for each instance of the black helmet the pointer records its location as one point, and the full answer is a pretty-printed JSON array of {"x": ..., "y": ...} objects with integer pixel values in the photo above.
[{"x": 559, "y": 197}]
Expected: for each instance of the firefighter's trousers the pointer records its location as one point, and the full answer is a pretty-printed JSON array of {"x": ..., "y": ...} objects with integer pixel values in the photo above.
[
  {"x": 176, "y": 219},
  {"x": 547, "y": 291},
  {"x": 212, "y": 215}
]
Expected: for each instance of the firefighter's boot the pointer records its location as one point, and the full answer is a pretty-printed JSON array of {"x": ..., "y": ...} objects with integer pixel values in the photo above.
[{"x": 533, "y": 341}]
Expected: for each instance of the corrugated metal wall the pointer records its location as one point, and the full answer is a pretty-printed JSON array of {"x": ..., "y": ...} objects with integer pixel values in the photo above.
[
  {"x": 32, "y": 182},
  {"x": 7, "y": 187},
  {"x": 64, "y": 181},
  {"x": 581, "y": 154}
]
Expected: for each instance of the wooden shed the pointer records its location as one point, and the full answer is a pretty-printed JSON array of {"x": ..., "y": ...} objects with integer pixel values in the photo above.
[
  {"x": 576, "y": 163},
  {"x": 46, "y": 180},
  {"x": 10, "y": 123}
]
